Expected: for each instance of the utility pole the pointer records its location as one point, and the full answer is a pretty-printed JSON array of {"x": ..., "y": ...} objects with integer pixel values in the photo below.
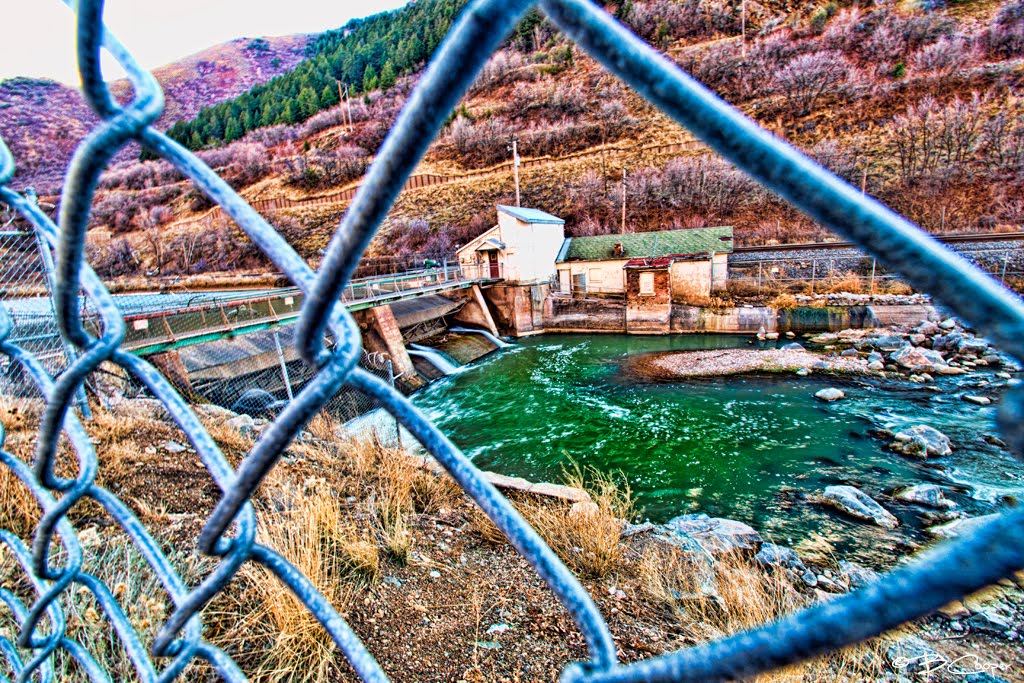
[
  {"x": 346, "y": 111},
  {"x": 515, "y": 166},
  {"x": 743, "y": 26},
  {"x": 623, "y": 228}
]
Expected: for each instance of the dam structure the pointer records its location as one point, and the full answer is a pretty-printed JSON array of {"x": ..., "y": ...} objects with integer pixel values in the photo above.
[{"x": 522, "y": 277}]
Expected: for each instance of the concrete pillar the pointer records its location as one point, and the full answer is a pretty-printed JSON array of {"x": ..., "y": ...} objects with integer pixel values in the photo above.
[
  {"x": 171, "y": 366},
  {"x": 519, "y": 308},
  {"x": 386, "y": 338},
  {"x": 476, "y": 312}
]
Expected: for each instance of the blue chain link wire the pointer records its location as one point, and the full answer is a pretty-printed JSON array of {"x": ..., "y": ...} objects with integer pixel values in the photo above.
[{"x": 948, "y": 572}]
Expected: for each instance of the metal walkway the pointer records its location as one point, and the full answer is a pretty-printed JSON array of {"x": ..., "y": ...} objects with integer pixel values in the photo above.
[{"x": 158, "y": 323}]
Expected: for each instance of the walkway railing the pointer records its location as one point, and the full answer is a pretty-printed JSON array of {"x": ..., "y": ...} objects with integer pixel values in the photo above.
[
  {"x": 53, "y": 562},
  {"x": 151, "y": 329}
]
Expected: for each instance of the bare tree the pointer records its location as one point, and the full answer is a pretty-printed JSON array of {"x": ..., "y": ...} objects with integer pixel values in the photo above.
[
  {"x": 807, "y": 77},
  {"x": 931, "y": 136}
]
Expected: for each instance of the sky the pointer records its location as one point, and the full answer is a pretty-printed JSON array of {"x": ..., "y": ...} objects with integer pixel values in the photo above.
[{"x": 38, "y": 40}]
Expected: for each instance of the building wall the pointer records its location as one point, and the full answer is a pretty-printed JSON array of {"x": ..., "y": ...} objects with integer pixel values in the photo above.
[
  {"x": 721, "y": 271},
  {"x": 606, "y": 276},
  {"x": 530, "y": 248},
  {"x": 648, "y": 313},
  {"x": 691, "y": 279},
  {"x": 475, "y": 263}
]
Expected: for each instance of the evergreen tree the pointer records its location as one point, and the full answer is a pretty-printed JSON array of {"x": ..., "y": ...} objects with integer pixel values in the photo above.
[
  {"x": 369, "y": 79},
  {"x": 232, "y": 131},
  {"x": 329, "y": 96},
  {"x": 387, "y": 76},
  {"x": 307, "y": 103}
]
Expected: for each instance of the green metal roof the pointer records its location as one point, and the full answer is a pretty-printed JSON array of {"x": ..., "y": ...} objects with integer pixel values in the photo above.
[{"x": 648, "y": 244}]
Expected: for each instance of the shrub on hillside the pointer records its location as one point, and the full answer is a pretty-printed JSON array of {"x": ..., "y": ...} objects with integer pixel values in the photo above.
[
  {"x": 943, "y": 56},
  {"x": 885, "y": 35},
  {"x": 504, "y": 67},
  {"x": 1002, "y": 140},
  {"x": 323, "y": 169},
  {"x": 809, "y": 76},
  {"x": 115, "y": 259},
  {"x": 1004, "y": 37}
]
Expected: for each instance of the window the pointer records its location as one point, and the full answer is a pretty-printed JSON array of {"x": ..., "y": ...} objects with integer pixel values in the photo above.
[
  {"x": 647, "y": 284},
  {"x": 596, "y": 275}
]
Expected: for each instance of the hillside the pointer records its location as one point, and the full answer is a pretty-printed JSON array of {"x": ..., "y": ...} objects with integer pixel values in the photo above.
[
  {"x": 918, "y": 105},
  {"x": 43, "y": 121}
]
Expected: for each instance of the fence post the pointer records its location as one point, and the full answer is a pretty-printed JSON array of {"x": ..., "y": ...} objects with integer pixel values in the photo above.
[
  {"x": 391, "y": 380},
  {"x": 284, "y": 367},
  {"x": 874, "y": 261},
  {"x": 51, "y": 279},
  {"x": 814, "y": 264},
  {"x": 1002, "y": 276}
]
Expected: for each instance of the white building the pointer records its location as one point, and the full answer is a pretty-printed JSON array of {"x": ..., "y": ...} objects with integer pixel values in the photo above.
[
  {"x": 528, "y": 246},
  {"x": 521, "y": 248}
]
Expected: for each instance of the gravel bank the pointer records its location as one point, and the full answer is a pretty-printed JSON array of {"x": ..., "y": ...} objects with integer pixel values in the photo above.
[{"x": 721, "y": 363}]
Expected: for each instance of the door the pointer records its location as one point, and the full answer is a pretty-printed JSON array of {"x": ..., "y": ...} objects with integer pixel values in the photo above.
[{"x": 492, "y": 257}]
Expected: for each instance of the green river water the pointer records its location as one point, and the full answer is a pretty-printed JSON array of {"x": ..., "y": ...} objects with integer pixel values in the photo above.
[{"x": 748, "y": 448}]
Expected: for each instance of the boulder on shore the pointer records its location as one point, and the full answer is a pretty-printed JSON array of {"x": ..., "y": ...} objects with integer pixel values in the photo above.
[
  {"x": 912, "y": 356},
  {"x": 714, "y": 534},
  {"x": 922, "y": 441},
  {"x": 856, "y": 575},
  {"x": 772, "y": 555},
  {"x": 856, "y": 503}
]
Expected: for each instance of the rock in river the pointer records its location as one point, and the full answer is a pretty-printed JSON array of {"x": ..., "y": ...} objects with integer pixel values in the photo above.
[
  {"x": 922, "y": 441},
  {"x": 713, "y": 534},
  {"x": 829, "y": 395},
  {"x": 961, "y": 527},
  {"x": 929, "y": 495},
  {"x": 856, "y": 503}
]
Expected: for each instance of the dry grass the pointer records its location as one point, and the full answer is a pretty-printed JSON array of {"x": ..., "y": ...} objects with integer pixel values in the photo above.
[
  {"x": 784, "y": 301},
  {"x": 585, "y": 535},
  {"x": 849, "y": 283},
  {"x": 323, "y": 427},
  {"x": 896, "y": 287},
  {"x": 313, "y": 537},
  {"x": 393, "y": 503},
  {"x": 137, "y": 590},
  {"x": 19, "y": 511},
  {"x": 709, "y": 601}
]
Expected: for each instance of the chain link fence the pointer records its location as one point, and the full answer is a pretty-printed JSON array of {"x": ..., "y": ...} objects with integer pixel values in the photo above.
[
  {"x": 26, "y": 288},
  {"x": 854, "y": 272},
  {"x": 52, "y": 564}
]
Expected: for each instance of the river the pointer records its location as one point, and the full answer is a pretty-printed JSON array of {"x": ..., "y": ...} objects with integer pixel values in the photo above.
[{"x": 755, "y": 449}]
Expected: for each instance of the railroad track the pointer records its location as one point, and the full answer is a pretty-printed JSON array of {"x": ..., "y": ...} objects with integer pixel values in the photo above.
[{"x": 946, "y": 239}]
